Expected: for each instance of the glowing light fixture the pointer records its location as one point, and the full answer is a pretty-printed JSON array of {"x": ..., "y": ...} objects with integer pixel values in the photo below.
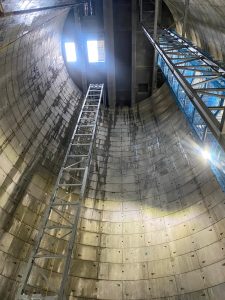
[
  {"x": 206, "y": 154},
  {"x": 96, "y": 52},
  {"x": 71, "y": 55}
]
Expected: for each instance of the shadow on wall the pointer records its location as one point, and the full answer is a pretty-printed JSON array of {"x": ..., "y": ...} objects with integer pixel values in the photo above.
[{"x": 38, "y": 103}]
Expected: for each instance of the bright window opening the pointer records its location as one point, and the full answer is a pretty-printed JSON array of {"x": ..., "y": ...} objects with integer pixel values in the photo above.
[
  {"x": 71, "y": 55},
  {"x": 96, "y": 51}
]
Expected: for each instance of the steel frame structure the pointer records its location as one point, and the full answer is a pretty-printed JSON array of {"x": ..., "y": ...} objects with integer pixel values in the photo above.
[
  {"x": 198, "y": 83},
  {"x": 185, "y": 19},
  {"x": 61, "y": 217},
  {"x": 38, "y": 9},
  {"x": 155, "y": 67},
  {"x": 201, "y": 80}
]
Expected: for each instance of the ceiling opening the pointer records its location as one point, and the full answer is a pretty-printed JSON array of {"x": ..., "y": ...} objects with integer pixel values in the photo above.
[
  {"x": 71, "y": 55},
  {"x": 96, "y": 51}
]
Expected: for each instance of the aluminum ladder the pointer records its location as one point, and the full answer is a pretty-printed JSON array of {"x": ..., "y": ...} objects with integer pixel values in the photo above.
[{"x": 49, "y": 266}]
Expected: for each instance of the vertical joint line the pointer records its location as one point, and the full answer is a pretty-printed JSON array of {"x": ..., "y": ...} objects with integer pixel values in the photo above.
[{"x": 186, "y": 10}]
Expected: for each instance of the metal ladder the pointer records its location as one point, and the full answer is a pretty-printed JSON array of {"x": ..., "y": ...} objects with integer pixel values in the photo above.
[{"x": 61, "y": 217}]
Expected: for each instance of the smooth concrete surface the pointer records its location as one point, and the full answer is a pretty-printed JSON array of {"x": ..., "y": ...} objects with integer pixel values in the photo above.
[
  {"x": 205, "y": 23},
  {"x": 38, "y": 102},
  {"x": 153, "y": 225},
  {"x": 153, "y": 222}
]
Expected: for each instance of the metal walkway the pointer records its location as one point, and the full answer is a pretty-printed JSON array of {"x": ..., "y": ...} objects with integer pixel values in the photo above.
[
  {"x": 201, "y": 74},
  {"x": 201, "y": 81},
  {"x": 62, "y": 215},
  {"x": 199, "y": 86}
]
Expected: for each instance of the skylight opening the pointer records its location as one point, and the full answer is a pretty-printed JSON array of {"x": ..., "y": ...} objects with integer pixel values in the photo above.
[
  {"x": 96, "y": 51},
  {"x": 71, "y": 55}
]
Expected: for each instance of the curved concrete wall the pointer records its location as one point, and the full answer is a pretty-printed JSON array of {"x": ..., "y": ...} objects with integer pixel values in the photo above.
[
  {"x": 152, "y": 226},
  {"x": 37, "y": 104},
  {"x": 205, "y": 24}
]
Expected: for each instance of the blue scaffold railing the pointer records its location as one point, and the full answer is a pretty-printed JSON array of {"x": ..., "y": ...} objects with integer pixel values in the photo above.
[{"x": 198, "y": 83}]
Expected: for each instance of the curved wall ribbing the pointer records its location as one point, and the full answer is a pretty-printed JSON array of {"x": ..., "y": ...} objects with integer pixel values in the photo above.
[
  {"x": 152, "y": 226},
  {"x": 37, "y": 104},
  {"x": 205, "y": 24}
]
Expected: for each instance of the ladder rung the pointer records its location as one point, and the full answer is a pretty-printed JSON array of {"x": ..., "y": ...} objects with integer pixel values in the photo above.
[
  {"x": 92, "y": 125},
  {"x": 88, "y": 111}
]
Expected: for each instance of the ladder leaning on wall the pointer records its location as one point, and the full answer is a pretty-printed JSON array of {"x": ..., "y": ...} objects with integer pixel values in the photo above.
[{"x": 47, "y": 272}]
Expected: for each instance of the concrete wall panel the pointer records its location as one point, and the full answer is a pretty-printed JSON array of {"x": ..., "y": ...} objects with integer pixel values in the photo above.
[{"x": 152, "y": 224}]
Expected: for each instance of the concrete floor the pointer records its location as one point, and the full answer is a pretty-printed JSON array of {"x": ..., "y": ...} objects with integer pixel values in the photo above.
[{"x": 205, "y": 24}]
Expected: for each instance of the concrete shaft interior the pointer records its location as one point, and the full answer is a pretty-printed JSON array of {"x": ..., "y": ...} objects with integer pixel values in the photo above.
[{"x": 153, "y": 223}]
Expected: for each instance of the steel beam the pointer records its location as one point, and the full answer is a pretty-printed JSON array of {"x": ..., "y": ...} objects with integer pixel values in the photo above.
[
  {"x": 204, "y": 112},
  {"x": 186, "y": 11},
  {"x": 80, "y": 47},
  {"x": 134, "y": 58},
  {"x": 110, "y": 55},
  {"x": 210, "y": 75},
  {"x": 38, "y": 9},
  {"x": 141, "y": 10},
  {"x": 155, "y": 67}
]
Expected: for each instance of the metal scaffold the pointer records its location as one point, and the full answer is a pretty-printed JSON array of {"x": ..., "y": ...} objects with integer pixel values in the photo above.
[
  {"x": 47, "y": 272},
  {"x": 202, "y": 76},
  {"x": 198, "y": 82}
]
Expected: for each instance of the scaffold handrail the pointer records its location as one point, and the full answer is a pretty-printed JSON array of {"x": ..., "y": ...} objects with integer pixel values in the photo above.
[
  {"x": 198, "y": 84},
  {"x": 200, "y": 79}
]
